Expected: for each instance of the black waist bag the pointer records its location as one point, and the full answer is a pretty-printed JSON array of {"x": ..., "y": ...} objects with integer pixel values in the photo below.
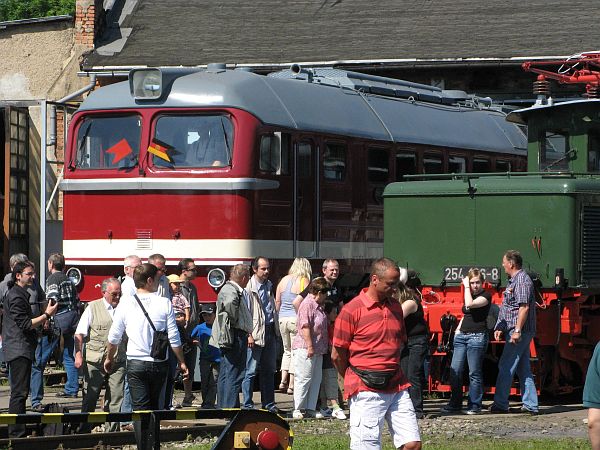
[
  {"x": 160, "y": 344},
  {"x": 375, "y": 379}
]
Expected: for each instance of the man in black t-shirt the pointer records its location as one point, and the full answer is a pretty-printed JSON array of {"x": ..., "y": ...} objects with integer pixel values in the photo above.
[
  {"x": 331, "y": 272},
  {"x": 61, "y": 289}
]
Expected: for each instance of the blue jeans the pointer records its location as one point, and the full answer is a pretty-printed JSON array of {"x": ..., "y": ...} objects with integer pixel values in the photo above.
[
  {"x": 232, "y": 371},
  {"x": 470, "y": 347},
  {"x": 72, "y": 384},
  {"x": 43, "y": 351},
  {"x": 515, "y": 358},
  {"x": 264, "y": 360}
]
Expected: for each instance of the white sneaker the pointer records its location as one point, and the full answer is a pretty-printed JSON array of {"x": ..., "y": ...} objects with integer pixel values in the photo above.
[
  {"x": 297, "y": 414},
  {"x": 319, "y": 415},
  {"x": 326, "y": 412},
  {"x": 338, "y": 414}
]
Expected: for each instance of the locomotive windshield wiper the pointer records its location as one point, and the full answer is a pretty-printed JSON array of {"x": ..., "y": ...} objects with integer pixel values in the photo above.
[
  {"x": 80, "y": 148},
  {"x": 226, "y": 142},
  {"x": 566, "y": 155}
]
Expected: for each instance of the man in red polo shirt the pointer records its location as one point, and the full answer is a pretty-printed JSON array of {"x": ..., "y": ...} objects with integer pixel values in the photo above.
[{"x": 368, "y": 338}]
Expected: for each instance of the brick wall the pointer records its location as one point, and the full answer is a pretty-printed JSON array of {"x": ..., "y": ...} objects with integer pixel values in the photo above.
[{"x": 88, "y": 19}]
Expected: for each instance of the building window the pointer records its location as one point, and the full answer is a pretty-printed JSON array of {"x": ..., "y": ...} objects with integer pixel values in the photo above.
[{"x": 334, "y": 162}]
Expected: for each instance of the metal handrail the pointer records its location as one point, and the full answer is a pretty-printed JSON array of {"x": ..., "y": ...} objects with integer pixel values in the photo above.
[{"x": 468, "y": 176}]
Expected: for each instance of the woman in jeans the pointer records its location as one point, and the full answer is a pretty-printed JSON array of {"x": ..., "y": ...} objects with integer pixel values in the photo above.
[
  {"x": 470, "y": 343},
  {"x": 288, "y": 289},
  {"x": 310, "y": 344}
]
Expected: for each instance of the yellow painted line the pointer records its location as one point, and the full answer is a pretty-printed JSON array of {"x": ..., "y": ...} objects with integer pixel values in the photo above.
[
  {"x": 185, "y": 414},
  {"x": 52, "y": 418},
  {"x": 97, "y": 417},
  {"x": 8, "y": 419}
]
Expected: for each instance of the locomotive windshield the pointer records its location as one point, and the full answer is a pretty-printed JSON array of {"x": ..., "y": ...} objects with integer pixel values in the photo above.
[
  {"x": 194, "y": 141},
  {"x": 108, "y": 142}
]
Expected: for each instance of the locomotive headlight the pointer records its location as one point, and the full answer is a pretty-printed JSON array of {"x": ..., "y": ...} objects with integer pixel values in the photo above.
[
  {"x": 216, "y": 278},
  {"x": 74, "y": 274},
  {"x": 145, "y": 84}
]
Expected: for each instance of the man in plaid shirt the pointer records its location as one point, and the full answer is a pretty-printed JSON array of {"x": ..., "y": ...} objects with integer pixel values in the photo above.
[{"x": 516, "y": 323}]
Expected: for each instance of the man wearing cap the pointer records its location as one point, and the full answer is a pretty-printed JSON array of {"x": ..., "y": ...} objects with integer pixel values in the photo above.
[
  {"x": 93, "y": 330},
  {"x": 210, "y": 357}
]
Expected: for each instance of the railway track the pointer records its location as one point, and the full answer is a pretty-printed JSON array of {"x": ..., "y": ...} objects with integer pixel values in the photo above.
[{"x": 100, "y": 441}]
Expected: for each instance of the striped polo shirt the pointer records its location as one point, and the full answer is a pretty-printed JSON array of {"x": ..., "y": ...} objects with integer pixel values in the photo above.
[
  {"x": 373, "y": 333},
  {"x": 519, "y": 291}
]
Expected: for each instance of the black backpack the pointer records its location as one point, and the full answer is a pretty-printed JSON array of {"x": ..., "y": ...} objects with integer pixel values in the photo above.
[{"x": 55, "y": 429}]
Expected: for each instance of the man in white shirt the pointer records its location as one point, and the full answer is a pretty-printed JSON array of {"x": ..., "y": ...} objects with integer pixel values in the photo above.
[
  {"x": 139, "y": 316},
  {"x": 93, "y": 330}
]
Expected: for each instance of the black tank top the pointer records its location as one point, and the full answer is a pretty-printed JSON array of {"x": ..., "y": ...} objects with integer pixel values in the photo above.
[{"x": 415, "y": 322}]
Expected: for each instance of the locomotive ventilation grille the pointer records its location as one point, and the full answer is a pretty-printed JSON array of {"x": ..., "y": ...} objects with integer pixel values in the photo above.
[
  {"x": 590, "y": 245},
  {"x": 144, "y": 239}
]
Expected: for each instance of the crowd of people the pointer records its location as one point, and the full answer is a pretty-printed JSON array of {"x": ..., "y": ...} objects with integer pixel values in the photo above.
[{"x": 149, "y": 329}]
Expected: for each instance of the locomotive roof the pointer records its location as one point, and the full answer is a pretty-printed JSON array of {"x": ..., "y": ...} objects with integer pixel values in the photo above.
[
  {"x": 521, "y": 116},
  {"x": 494, "y": 184},
  {"x": 368, "y": 107}
]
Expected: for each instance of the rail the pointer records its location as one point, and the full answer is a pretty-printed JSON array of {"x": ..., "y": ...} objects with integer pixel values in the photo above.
[
  {"x": 248, "y": 425},
  {"x": 469, "y": 176}
]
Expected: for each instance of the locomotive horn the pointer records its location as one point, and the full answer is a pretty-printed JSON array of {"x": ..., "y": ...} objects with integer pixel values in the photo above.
[{"x": 296, "y": 69}]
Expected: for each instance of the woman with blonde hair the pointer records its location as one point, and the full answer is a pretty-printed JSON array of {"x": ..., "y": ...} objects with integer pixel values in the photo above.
[{"x": 289, "y": 287}]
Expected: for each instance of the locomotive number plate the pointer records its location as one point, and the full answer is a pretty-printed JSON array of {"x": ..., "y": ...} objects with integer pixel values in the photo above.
[{"x": 457, "y": 273}]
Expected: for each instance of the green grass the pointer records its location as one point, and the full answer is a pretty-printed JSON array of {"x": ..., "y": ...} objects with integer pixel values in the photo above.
[{"x": 342, "y": 442}]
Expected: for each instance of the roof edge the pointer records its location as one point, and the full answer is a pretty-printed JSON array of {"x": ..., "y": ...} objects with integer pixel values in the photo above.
[{"x": 381, "y": 63}]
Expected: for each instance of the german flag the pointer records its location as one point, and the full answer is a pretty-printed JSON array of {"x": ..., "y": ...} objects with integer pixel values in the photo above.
[{"x": 160, "y": 149}]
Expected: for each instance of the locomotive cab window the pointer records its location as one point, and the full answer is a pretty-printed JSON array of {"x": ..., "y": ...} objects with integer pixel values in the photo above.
[
  {"x": 192, "y": 141},
  {"x": 406, "y": 164},
  {"x": 107, "y": 142},
  {"x": 275, "y": 153},
  {"x": 554, "y": 151},
  {"x": 594, "y": 152},
  {"x": 334, "y": 162}
]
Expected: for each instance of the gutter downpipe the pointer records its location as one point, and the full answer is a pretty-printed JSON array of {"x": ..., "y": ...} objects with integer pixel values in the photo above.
[{"x": 43, "y": 162}]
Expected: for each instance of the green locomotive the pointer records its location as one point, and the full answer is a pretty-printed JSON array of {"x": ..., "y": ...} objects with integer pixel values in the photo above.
[{"x": 445, "y": 224}]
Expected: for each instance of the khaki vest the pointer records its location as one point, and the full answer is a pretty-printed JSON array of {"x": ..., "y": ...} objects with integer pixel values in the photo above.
[{"x": 95, "y": 347}]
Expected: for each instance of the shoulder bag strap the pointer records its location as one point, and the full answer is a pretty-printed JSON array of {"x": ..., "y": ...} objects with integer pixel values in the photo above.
[{"x": 145, "y": 313}]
